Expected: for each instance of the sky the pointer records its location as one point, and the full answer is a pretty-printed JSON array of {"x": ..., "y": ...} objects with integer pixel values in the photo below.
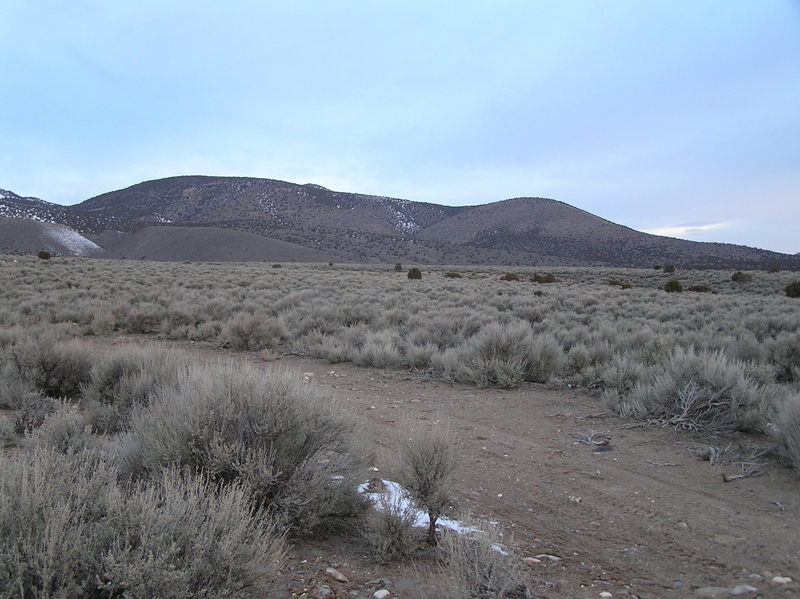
[{"x": 679, "y": 118}]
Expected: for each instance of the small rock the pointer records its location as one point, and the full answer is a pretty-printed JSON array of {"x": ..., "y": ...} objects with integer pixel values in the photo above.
[
  {"x": 606, "y": 595},
  {"x": 382, "y": 594},
  {"x": 681, "y": 525},
  {"x": 531, "y": 560},
  {"x": 552, "y": 558},
  {"x": 324, "y": 591},
  {"x": 756, "y": 577},
  {"x": 336, "y": 575},
  {"x": 713, "y": 592},
  {"x": 781, "y": 580},
  {"x": 743, "y": 589}
]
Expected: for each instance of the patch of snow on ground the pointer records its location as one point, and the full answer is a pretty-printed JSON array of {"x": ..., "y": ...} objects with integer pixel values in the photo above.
[
  {"x": 72, "y": 240},
  {"x": 396, "y": 496}
]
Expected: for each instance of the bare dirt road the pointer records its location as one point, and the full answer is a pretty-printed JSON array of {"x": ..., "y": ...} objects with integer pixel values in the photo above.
[{"x": 641, "y": 516}]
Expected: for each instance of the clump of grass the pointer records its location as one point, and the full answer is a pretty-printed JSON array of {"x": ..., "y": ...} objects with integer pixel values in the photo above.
[
  {"x": 673, "y": 286},
  {"x": 414, "y": 273},
  {"x": 294, "y": 452}
]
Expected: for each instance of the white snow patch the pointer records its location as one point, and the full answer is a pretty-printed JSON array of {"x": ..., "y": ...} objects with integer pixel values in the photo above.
[
  {"x": 72, "y": 240},
  {"x": 395, "y": 496}
]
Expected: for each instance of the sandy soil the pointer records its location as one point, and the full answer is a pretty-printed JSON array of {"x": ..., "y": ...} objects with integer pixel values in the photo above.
[{"x": 641, "y": 516}]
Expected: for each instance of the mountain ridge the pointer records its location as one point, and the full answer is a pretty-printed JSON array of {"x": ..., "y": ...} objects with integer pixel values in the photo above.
[{"x": 353, "y": 227}]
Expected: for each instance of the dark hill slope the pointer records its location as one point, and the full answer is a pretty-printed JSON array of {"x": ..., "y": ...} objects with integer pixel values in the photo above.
[{"x": 350, "y": 227}]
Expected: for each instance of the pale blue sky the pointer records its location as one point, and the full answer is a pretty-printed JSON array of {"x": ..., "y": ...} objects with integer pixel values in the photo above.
[{"x": 679, "y": 117}]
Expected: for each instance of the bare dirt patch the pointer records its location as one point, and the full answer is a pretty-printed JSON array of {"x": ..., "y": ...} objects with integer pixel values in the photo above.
[{"x": 636, "y": 513}]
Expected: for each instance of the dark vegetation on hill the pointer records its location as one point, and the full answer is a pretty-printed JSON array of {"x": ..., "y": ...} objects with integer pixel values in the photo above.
[{"x": 311, "y": 223}]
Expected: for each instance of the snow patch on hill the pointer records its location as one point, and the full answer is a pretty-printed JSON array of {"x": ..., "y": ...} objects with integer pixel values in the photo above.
[{"x": 71, "y": 240}]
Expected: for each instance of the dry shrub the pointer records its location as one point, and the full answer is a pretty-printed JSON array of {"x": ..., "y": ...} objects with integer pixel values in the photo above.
[
  {"x": 254, "y": 332},
  {"x": 503, "y": 355},
  {"x": 379, "y": 350},
  {"x": 787, "y": 430},
  {"x": 65, "y": 430},
  {"x": 414, "y": 273},
  {"x": 510, "y": 276},
  {"x": 427, "y": 466},
  {"x": 784, "y": 352},
  {"x": 54, "y": 369},
  {"x": 127, "y": 379},
  {"x": 294, "y": 452},
  {"x": 453, "y": 275},
  {"x": 143, "y": 319},
  {"x": 793, "y": 289},
  {"x": 673, "y": 286},
  {"x": 70, "y": 531},
  {"x": 480, "y": 564},
  {"x": 389, "y": 529},
  {"x": 547, "y": 278},
  {"x": 697, "y": 378},
  {"x": 741, "y": 277},
  {"x": 103, "y": 322}
]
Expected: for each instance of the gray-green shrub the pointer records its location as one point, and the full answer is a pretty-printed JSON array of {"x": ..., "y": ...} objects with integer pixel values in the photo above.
[
  {"x": 503, "y": 355},
  {"x": 68, "y": 530},
  {"x": 293, "y": 451},
  {"x": 254, "y": 332},
  {"x": 126, "y": 379},
  {"x": 426, "y": 469},
  {"x": 673, "y": 286},
  {"x": 787, "y": 429},
  {"x": 793, "y": 289}
]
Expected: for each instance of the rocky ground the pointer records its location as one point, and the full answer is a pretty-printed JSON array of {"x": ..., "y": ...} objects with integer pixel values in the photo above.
[{"x": 599, "y": 506}]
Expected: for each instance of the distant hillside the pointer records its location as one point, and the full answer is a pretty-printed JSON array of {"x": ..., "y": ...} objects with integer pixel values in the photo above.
[{"x": 185, "y": 216}]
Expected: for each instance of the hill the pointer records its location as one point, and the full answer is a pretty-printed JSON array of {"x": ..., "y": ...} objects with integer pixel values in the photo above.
[{"x": 352, "y": 227}]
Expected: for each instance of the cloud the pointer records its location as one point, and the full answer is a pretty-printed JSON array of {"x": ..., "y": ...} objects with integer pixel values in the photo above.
[{"x": 688, "y": 230}]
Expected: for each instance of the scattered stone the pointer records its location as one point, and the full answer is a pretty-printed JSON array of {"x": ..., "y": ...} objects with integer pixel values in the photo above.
[
  {"x": 382, "y": 594},
  {"x": 606, "y": 595},
  {"x": 323, "y": 592},
  {"x": 781, "y": 580},
  {"x": 552, "y": 558},
  {"x": 756, "y": 577},
  {"x": 531, "y": 560},
  {"x": 713, "y": 592},
  {"x": 336, "y": 575},
  {"x": 744, "y": 589},
  {"x": 681, "y": 525},
  {"x": 379, "y": 582}
]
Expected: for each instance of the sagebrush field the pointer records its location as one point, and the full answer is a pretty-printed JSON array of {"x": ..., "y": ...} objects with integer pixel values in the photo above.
[{"x": 720, "y": 357}]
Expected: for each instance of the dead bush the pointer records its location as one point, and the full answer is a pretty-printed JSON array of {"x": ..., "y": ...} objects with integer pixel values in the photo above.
[
  {"x": 389, "y": 529},
  {"x": 479, "y": 563}
]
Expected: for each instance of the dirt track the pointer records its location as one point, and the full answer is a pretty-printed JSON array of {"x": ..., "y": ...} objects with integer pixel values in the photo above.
[{"x": 640, "y": 516}]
